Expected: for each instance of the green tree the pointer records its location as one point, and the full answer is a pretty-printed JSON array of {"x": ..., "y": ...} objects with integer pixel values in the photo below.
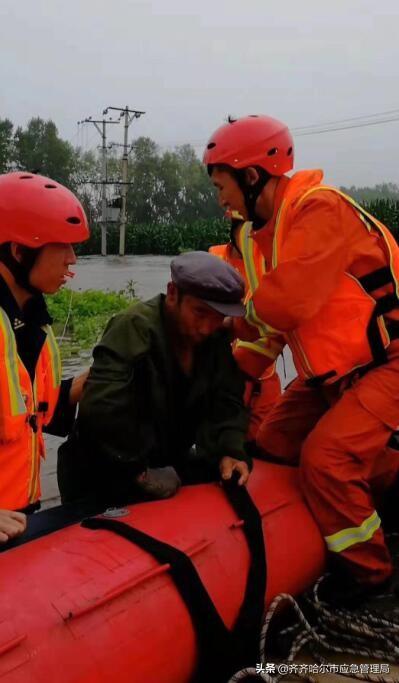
[
  {"x": 39, "y": 149},
  {"x": 85, "y": 180},
  {"x": 197, "y": 196},
  {"x": 6, "y": 130},
  {"x": 168, "y": 187},
  {"x": 145, "y": 183}
]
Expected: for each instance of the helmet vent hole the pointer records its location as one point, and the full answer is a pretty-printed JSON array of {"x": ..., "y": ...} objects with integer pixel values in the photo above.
[
  {"x": 25, "y": 177},
  {"x": 211, "y": 145},
  {"x": 51, "y": 187},
  {"x": 289, "y": 152},
  {"x": 74, "y": 220},
  {"x": 272, "y": 152}
]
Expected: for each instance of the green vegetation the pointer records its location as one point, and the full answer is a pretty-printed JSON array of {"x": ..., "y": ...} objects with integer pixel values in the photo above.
[
  {"x": 80, "y": 317},
  {"x": 387, "y": 211},
  {"x": 162, "y": 239},
  {"x": 171, "y": 204},
  {"x": 370, "y": 194},
  {"x": 201, "y": 234},
  {"x": 164, "y": 187}
]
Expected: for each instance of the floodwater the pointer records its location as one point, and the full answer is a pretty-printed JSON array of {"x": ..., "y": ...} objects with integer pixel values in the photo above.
[{"x": 148, "y": 275}]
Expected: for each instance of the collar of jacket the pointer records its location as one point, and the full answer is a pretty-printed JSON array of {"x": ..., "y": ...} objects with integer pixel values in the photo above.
[{"x": 35, "y": 310}]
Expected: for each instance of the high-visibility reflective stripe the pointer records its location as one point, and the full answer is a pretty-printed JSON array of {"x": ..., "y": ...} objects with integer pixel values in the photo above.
[
  {"x": 346, "y": 538},
  {"x": 260, "y": 347},
  {"x": 253, "y": 319},
  {"x": 17, "y": 403},
  {"x": 247, "y": 251},
  {"x": 362, "y": 214},
  {"x": 55, "y": 358},
  {"x": 275, "y": 241},
  {"x": 248, "y": 255}
]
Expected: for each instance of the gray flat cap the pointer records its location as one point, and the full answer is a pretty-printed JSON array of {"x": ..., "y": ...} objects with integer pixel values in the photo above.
[{"x": 210, "y": 279}]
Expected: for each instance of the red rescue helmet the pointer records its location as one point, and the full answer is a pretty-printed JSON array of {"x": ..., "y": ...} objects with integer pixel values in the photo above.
[
  {"x": 252, "y": 141},
  {"x": 35, "y": 211}
]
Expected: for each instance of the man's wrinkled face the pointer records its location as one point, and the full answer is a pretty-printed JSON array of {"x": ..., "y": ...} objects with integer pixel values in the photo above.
[
  {"x": 194, "y": 319},
  {"x": 228, "y": 190}
]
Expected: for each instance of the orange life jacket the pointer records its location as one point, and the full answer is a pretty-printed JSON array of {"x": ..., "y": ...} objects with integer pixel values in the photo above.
[
  {"x": 349, "y": 332},
  {"x": 224, "y": 251},
  {"x": 24, "y": 408},
  {"x": 251, "y": 267}
]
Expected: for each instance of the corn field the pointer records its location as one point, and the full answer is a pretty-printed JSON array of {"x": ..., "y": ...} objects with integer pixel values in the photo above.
[{"x": 201, "y": 234}]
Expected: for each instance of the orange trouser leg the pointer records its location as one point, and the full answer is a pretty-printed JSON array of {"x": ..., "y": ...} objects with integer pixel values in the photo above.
[
  {"x": 342, "y": 460},
  {"x": 345, "y": 463},
  {"x": 262, "y": 402},
  {"x": 291, "y": 419}
]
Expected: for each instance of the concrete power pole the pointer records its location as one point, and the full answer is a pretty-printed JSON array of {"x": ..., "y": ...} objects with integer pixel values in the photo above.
[
  {"x": 128, "y": 115},
  {"x": 103, "y": 133}
]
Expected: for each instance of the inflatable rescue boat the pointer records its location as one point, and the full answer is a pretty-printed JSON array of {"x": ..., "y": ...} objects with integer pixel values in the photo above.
[{"x": 80, "y": 605}]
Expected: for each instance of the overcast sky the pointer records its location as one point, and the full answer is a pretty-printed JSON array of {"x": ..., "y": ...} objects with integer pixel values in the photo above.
[{"x": 190, "y": 63}]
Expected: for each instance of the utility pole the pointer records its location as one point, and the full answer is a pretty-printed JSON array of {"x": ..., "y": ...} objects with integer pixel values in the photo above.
[
  {"x": 103, "y": 133},
  {"x": 128, "y": 115}
]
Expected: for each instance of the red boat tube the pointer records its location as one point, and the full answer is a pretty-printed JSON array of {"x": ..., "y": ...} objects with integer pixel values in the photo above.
[{"x": 84, "y": 606}]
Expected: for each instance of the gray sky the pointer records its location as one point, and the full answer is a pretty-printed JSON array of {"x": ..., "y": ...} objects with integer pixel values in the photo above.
[{"x": 189, "y": 64}]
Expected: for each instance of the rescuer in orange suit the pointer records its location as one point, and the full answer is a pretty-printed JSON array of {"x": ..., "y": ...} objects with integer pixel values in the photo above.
[
  {"x": 39, "y": 222},
  {"x": 331, "y": 292},
  {"x": 260, "y": 394}
]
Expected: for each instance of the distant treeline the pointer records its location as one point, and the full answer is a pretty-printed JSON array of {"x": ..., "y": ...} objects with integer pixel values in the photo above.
[
  {"x": 171, "y": 205},
  {"x": 201, "y": 234},
  {"x": 165, "y": 187}
]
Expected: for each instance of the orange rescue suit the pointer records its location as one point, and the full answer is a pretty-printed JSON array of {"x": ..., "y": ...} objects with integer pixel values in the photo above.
[
  {"x": 260, "y": 395},
  {"x": 24, "y": 409},
  {"x": 331, "y": 287}
]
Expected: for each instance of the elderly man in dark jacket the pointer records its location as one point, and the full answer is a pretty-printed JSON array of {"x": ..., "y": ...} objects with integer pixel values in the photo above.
[{"x": 163, "y": 380}]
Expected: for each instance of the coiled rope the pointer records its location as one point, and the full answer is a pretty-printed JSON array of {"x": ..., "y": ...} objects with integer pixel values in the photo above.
[{"x": 363, "y": 632}]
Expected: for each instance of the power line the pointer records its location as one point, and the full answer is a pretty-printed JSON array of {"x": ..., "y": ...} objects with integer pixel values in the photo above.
[
  {"x": 361, "y": 121},
  {"x": 332, "y": 129},
  {"x": 318, "y": 128},
  {"x": 353, "y": 118}
]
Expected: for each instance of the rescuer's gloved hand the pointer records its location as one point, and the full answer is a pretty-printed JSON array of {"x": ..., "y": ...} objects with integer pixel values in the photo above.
[{"x": 160, "y": 482}]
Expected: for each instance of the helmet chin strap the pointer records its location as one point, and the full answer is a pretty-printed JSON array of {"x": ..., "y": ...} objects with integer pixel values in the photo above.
[
  {"x": 21, "y": 270},
  {"x": 233, "y": 228},
  {"x": 251, "y": 194}
]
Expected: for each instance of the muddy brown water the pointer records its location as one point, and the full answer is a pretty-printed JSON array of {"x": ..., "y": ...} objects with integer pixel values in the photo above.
[{"x": 149, "y": 275}]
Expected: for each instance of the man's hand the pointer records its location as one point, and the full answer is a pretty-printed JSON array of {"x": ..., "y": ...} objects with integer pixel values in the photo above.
[
  {"x": 229, "y": 465},
  {"x": 77, "y": 387},
  {"x": 11, "y": 524}
]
